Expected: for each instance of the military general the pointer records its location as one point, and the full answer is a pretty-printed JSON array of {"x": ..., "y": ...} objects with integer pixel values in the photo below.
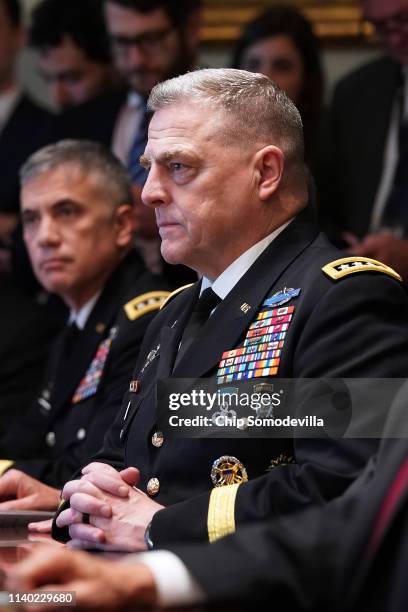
[
  {"x": 77, "y": 215},
  {"x": 229, "y": 187}
]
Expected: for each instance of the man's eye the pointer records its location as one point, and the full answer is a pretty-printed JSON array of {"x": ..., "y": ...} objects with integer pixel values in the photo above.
[
  {"x": 66, "y": 211},
  {"x": 177, "y": 167},
  {"x": 29, "y": 220}
]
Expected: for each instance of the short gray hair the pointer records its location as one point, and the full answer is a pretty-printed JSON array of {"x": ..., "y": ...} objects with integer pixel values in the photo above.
[
  {"x": 252, "y": 101},
  {"x": 89, "y": 157}
]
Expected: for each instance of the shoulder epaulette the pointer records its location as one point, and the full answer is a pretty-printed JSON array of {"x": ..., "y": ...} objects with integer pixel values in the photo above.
[
  {"x": 174, "y": 293},
  {"x": 148, "y": 302},
  {"x": 351, "y": 265}
]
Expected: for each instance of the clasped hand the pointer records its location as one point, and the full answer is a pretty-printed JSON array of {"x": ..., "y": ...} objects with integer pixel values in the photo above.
[{"x": 118, "y": 512}]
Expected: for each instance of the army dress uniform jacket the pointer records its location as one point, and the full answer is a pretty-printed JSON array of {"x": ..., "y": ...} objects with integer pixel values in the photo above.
[
  {"x": 357, "y": 326},
  {"x": 321, "y": 558},
  {"x": 82, "y": 392}
]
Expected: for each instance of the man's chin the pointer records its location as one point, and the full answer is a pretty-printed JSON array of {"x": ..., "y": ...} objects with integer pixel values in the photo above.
[
  {"x": 172, "y": 255},
  {"x": 52, "y": 284}
]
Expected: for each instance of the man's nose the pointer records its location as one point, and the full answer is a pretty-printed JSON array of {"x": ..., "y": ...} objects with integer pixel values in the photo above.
[
  {"x": 154, "y": 192},
  {"x": 48, "y": 234},
  {"x": 60, "y": 94},
  {"x": 136, "y": 57}
]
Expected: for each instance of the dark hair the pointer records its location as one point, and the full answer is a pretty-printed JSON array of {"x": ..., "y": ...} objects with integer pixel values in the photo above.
[
  {"x": 13, "y": 10},
  {"x": 288, "y": 21},
  {"x": 176, "y": 10},
  {"x": 81, "y": 20}
]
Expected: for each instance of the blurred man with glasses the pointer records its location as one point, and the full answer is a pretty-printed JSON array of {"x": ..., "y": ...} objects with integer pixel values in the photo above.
[
  {"x": 151, "y": 40},
  {"x": 363, "y": 169},
  {"x": 73, "y": 51}
]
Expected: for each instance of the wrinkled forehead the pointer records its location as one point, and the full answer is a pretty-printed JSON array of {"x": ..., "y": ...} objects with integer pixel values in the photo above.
[
  {"x": 186, "y": 122},
  {"x": 192, "y": 121}
]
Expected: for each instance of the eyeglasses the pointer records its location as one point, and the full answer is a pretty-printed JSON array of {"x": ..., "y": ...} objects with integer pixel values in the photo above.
[
  {"x": 149, "y": 42},
  {"x": 396, "y": 23}
]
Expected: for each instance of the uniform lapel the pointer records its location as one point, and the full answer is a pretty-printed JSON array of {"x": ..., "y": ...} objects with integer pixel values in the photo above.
[
  {"x": 170, "y": 335},
  {"x": 227, "y": 326},
  {"x": 97, "y": 328}
]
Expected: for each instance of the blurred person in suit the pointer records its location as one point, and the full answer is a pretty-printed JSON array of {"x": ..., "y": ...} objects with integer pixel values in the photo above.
[
  {"x": 29, "y": 318},
  {"x": 73, "y": 50},
  {"x": 363, "y": 160},
  {"x": 24, "y": 126}
]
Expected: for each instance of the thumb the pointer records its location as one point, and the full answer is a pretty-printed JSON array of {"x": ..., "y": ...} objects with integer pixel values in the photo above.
[
  {"x": 130, "y": 475},
  {"x": 41, "y": 526}
]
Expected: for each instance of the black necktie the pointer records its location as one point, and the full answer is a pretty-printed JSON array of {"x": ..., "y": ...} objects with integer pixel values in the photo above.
[
  {"x": 137, "y": 173},
  {"x": 201, "y": 312},
  {"x": 71, "y": 335},
  {"x": 396, "y": 208}
]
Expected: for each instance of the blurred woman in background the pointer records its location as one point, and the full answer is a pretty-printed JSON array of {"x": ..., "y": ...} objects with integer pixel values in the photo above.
[{"x": 280, "y": 43}]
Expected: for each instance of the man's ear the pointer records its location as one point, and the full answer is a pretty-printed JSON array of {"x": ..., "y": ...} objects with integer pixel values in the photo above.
[
  {"x": 125, "y": 224},
  {"x": 270, "y": 163}
]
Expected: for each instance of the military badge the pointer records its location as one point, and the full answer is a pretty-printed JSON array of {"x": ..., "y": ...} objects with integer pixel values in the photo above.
[
  {"x": 281, "y": 297},
  {"x": 220, "y": 417},
  {"x": 282, "y": 459},
  {"x": 265, "y": 408},
  {"x": 228, "y": 470},
  {"x": 245, "y": 308},
  {"x": 134, "y": 386},
  {"x": 151, "y": 356},
  {"x": 89, "y": 384}
]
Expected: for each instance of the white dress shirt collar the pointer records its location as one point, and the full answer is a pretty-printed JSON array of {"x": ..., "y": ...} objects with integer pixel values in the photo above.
[
  {"x": 81, "y": 316},
  {"x": 227, "y": 280}
]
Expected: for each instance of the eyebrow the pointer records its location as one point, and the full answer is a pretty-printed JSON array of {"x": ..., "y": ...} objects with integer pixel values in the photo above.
[
  {"x": 54, "y": 206},
  {"x": 166, "y": 157}
]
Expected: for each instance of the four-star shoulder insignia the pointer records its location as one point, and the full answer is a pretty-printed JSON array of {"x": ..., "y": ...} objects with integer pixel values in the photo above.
[
  {"x": 350, "y": 265},
  {"x": 148, "y": 302},
  {"x": 174, "y": 293}
]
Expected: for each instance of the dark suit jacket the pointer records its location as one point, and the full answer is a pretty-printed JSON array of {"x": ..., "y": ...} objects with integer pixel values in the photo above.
[
  {"x": 93, "y": 120},
  {"x": 334, "y": 333},
  {"x": 27, "y": 130},
  {"x": 66, "y": 424},
  {"x": 27, "y": 329},
  {"x": 354, "y": 134},
  {"x": 319, "y": 559}
]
